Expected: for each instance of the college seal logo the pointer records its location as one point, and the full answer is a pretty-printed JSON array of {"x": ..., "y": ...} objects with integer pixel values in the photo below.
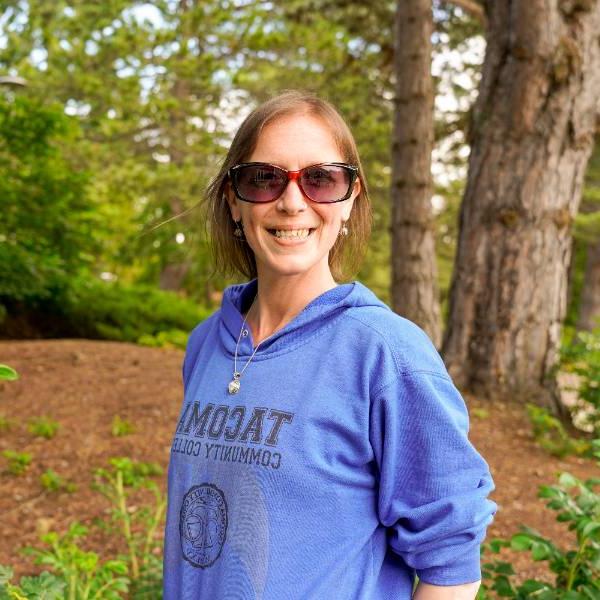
[{"x": 203, "y": 524}]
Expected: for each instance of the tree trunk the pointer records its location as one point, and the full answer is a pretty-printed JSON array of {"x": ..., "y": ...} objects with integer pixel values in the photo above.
[
  {"x": 173, "y": 274},
  {"x": 589, "y": 312},
  {"x": 414, "y": 269},
  {"x": 531, "y": 138}
]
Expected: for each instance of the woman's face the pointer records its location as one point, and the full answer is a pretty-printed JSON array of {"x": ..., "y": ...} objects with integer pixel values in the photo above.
[{"x": 293, "y": 142}]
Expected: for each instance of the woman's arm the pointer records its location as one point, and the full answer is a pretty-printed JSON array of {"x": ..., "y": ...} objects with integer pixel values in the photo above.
[{"x": 426, "y": 591}]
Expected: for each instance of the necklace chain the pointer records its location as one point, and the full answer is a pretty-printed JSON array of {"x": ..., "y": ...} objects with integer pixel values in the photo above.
[{"x": 234, "y": 384}]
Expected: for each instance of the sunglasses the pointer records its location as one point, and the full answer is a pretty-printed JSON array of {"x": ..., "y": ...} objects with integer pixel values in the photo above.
[{"x": 262, "y": 182}]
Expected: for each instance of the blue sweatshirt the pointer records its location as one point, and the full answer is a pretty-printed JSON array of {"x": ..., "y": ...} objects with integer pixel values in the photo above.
[{"x": 340, "y": 469}]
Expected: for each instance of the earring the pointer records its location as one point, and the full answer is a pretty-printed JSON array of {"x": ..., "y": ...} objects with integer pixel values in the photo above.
[
  {"x": 344, "y": 229},
  {"x": 239, "y": 232}
]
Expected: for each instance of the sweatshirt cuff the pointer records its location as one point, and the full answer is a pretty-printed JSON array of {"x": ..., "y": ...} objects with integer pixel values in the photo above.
[{"x": 467, "y": 569}]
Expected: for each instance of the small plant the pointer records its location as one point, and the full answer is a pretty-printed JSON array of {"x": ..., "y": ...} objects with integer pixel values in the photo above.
[
  {"x": 43, "y": 427},
  {"x": 8, "y": 373},
  {"x": 18, "y": 462},
  {"x": 84, "y": 576},
  {"x": 550, "y": 434},
  {"x": 53, "y": 482},
  {"x": 121, "y": 427},
  {"x": 114, "y": 483},
  {"x": 577, "y": 570}
]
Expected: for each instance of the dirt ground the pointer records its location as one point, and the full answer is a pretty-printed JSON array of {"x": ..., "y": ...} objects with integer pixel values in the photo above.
[{"x": 83, "y": 384}]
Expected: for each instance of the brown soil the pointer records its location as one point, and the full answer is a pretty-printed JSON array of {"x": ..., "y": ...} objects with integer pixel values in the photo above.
[{"x": 83, "y": 384}]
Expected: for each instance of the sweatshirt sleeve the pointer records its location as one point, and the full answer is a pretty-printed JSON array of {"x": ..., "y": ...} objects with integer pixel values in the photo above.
[{"x": 433, "y": 484}]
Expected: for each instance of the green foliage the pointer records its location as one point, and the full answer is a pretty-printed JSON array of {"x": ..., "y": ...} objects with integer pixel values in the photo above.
[
  {"x": 98, "y": 309},
  {"x": 85, "y": 576},
  {"x": 41, "y": 587},
  {"x": 43, "y": 427},
  {"x": 121, "y": 427},
  {"x": 8, "y": 373},
  {"x": 550, "y": 433},
  {"x": 173, "y": 338},
  {"x": 82, "y": 575},
  {"x": 138, "y": 527},
  {"x": 46, "y": 232},
  {"x": 53, "y": 482},
  {"x": 18, "y": 462},
  {"x": 577, "y": 570},
  {"x": 582, "y": 357}
]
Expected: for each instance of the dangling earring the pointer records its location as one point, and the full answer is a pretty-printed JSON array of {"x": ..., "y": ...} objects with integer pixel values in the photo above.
[
  {"x": 344, "y": 229},
  {"x": 239, "y": 232}
]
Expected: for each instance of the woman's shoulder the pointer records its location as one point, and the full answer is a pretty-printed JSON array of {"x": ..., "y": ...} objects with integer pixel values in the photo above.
[
  {"x": 202, "y": 329},
  {"x": 378, "y": 326}
]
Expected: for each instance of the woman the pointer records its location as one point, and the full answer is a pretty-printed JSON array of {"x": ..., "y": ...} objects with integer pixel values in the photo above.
[{"x": 321, "y": 450}]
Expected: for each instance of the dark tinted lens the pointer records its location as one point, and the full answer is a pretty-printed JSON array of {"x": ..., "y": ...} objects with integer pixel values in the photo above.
[
  {"x": 260, "y": 183},
  {"x": 326, "y": 183}
]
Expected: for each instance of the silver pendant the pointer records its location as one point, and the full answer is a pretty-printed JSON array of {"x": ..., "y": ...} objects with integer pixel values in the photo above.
[{"x": 234, "y": 384}]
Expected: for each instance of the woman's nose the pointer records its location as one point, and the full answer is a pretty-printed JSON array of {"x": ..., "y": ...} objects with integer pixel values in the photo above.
[{"x": 293, "y": 199}]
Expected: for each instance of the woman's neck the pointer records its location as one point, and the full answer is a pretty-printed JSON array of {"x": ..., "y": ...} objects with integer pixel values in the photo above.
[{"x": 279, "y": 299}]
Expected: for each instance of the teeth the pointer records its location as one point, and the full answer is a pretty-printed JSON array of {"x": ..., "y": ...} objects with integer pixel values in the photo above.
[{"x": 294, "y": 233}]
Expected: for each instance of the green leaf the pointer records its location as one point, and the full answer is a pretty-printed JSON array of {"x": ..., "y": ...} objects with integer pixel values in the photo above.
[
  {"x": 531, "y": 586},
  {"x": 521, "y": 541},
  {"x": 504, "y": 568},
  {"x": 8, "y": 373},
  {"x": 497, "y": 544},
  {"x": 503, "y": 588},
  {"x": 540, "y": 551},
  {"x": 116, "y": 566}
]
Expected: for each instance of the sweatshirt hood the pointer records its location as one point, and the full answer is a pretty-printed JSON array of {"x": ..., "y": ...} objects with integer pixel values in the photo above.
[{"x": 321, "y": 311}]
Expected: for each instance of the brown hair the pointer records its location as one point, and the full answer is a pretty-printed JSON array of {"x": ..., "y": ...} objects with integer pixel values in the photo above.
[{"x": 231, "y": 255}]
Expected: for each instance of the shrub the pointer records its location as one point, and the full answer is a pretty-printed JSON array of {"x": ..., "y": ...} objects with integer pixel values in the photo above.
[
  {"x": 577, "y": 569},
  {"x": 129, "y": 313}
]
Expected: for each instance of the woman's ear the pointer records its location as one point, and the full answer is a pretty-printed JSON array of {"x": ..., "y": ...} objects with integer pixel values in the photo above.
[
  {"x": 348, "y": 204},
  {"x": 232, "y": 201}
]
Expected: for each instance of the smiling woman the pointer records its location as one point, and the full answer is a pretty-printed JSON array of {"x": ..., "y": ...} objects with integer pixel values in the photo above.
[
  {"x": 343, "y": 468},
  {"x": 325, "y": 125}
]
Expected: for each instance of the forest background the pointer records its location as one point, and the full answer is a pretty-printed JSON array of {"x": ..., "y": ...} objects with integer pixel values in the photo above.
[
  {"x": 126, "y": 109},
  {"x": 114, "y": 116}
]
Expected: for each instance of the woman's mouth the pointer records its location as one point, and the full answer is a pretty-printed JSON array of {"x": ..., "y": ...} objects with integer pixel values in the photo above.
[{"x": 291, "y": 234}]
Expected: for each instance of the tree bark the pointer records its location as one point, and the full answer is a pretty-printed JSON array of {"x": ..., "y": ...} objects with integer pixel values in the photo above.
[
  {"x": 531, "y": 138},
  {"x": 414, "y": 268},
  {"x": 589, "y": 311}
]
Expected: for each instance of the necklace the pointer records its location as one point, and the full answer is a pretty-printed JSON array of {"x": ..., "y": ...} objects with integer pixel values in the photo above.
[{"x": 234, "y": 384}]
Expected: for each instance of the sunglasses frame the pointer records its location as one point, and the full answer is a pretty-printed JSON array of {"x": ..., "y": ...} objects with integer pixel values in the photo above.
[{"x": 293, "y": 175}]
